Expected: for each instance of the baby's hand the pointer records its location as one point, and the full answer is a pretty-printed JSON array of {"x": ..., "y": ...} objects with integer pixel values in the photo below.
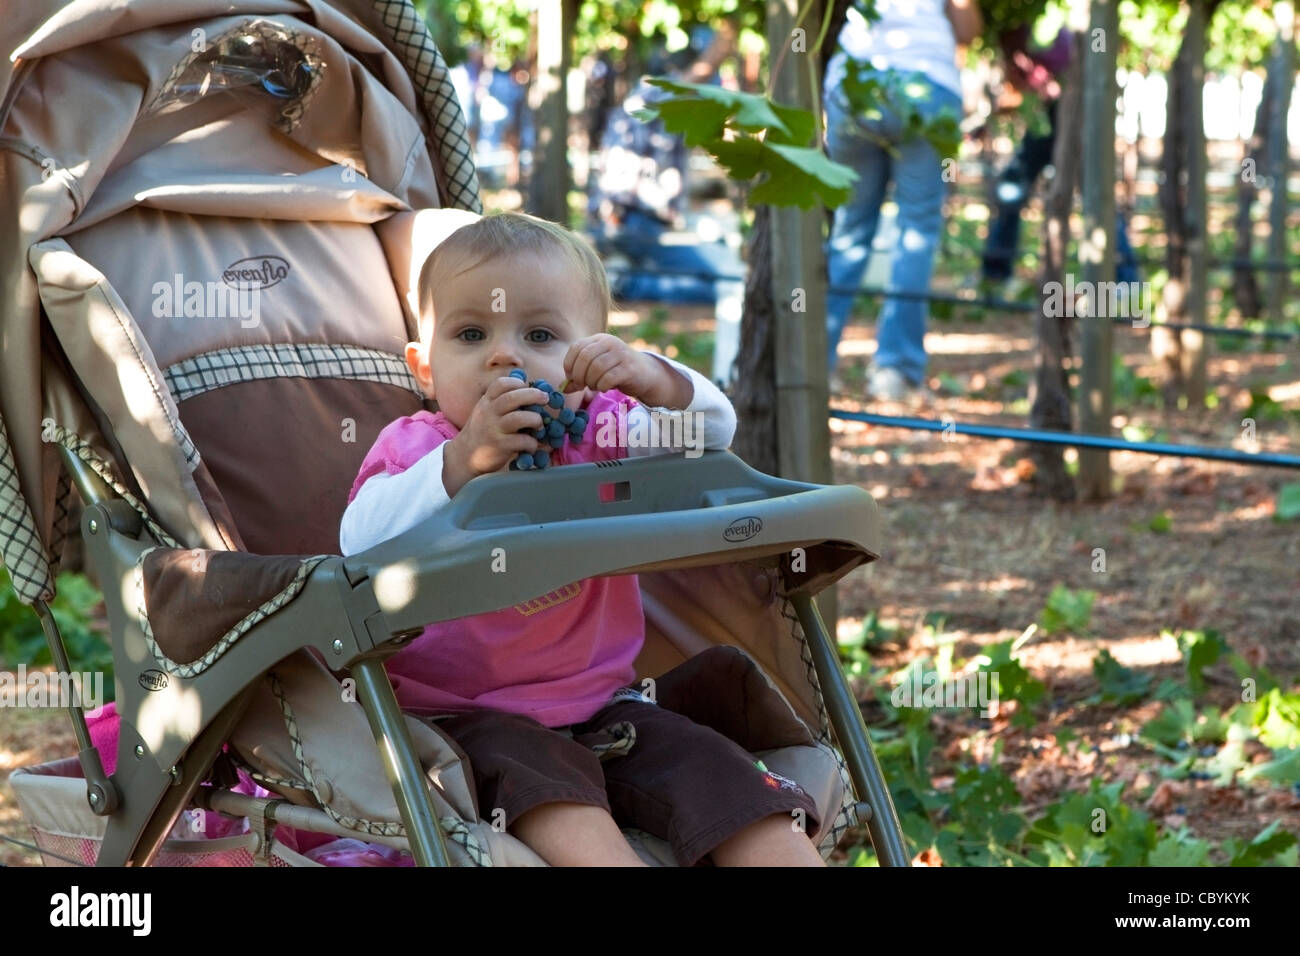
[
  {"x": 492, "y": 436},
  {"x": 601, "y": 362}
]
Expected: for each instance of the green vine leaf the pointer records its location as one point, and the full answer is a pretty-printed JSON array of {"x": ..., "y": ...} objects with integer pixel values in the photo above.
[{"x": 752, "y": 137}]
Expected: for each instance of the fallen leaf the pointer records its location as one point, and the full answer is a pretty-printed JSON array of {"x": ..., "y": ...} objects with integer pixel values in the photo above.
[
  {"x": 928, "y": 857},
  {"x": 1256, "y": 655},
  {"x": 1200, "y": 483},
  {"x": 1166, "y": 796}
]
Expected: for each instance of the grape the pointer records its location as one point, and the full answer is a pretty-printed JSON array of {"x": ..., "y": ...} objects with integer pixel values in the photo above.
[{"x": 555, "y": 427}]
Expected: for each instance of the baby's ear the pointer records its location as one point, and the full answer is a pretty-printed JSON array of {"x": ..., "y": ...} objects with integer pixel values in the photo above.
[{"x": 417, "y": 359}]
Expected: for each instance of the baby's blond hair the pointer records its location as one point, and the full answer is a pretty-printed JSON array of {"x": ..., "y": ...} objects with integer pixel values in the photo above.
[{"x": 508, "y": 233}]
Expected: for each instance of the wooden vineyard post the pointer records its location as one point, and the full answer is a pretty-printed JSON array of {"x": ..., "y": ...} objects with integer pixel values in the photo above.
[
  {"x": 798, "y": 263},
  {"x": 1283, "y": 68},
  {"x": 1097, "y": 248}
]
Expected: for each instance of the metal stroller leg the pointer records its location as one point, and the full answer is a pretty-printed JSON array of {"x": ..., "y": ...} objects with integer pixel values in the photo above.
[
  {"x": 152, "y": 804},
  {"x": 851, "y": 731},
  {"x": 400, "y": 763}
]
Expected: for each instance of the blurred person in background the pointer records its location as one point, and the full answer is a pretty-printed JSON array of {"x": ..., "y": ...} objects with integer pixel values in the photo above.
[
  {"x": 912, "y": 50},
  {"x": 638, "y": 191},
  {"x": 1033, "y": 70}
]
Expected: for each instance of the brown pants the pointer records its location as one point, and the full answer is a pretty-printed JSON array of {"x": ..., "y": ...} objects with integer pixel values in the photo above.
[{"x": 689, "y": 777}]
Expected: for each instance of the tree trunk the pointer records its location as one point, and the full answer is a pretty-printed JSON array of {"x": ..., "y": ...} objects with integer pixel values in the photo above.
[
  {"x": 1182, "y": 195},
  {"x": 550, "y": 181},
  {"x": 1245, "y": 286},
  {"x": 754, "y": 392},
  {"x": 1050, "y": 395}
]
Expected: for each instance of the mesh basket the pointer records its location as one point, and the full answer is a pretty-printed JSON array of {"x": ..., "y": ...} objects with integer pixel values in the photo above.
[{"x": 52, "y": 798}]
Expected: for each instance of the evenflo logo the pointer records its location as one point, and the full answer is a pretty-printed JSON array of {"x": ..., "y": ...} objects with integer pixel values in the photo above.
[
  {"x": 255, "y": 272},
  {"x": 742, "y": 529}
]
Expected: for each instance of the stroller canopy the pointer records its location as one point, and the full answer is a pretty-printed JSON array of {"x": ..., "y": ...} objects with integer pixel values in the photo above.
[{"x": 156, "y": 139}]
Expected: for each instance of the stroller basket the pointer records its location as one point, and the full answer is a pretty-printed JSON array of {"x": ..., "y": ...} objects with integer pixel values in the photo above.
[{"x": 52, "y": 798}]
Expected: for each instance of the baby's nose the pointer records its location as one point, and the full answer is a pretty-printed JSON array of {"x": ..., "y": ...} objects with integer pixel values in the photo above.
[{"x": 506, "y": 354}]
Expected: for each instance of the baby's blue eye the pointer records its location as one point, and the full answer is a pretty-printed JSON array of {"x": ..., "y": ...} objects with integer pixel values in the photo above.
[
  {"x": 545, "y": 333},
  {"x": 471, "y": 335}
]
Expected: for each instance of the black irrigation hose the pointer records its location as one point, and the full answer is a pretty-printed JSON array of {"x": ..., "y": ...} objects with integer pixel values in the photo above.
[
  {"x": 1004, "y": 305},
  {"x": 1044, "y": 437}
]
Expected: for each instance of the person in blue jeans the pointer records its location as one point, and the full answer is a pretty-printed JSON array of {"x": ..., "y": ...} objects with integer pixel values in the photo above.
[
  {"x": 1034, "y": 71},
  {"x": 922, "y": 75}
]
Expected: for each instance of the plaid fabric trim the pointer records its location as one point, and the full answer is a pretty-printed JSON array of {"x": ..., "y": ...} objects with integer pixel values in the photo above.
[
  {"x": 416, "y": 49},
  {"x": 59, "y": 529},
  {"x": 847, "y": 817},
  {"x": 265, "y": 610},
  {"x": 74, "y": 444},
  {"x": 247, "y": 363},
  {"x": 457, "y": 831},
  {"x": 20, "y": 544}
]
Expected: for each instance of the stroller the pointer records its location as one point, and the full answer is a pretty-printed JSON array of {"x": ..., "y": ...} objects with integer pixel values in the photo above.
[{"x": 214, "y": 215}]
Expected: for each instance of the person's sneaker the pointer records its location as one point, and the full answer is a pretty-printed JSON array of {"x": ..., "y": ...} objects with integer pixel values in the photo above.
[{"x": 888, "y": 385}]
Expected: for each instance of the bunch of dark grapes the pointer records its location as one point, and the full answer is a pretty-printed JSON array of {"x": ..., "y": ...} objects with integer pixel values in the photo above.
[{"x": 557, "y": 422}]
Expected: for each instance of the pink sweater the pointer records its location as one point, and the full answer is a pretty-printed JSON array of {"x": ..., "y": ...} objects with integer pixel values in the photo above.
[{"x": 558, "y": 658}]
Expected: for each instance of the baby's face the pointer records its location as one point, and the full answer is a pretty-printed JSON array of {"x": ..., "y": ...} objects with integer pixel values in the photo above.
[{"x": 514, "y": 311}]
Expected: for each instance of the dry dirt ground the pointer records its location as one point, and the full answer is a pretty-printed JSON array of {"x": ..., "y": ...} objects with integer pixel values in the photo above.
[{"x": 965, "y": 536}]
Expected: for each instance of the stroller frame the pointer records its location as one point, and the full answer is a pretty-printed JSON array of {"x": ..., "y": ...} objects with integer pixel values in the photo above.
[
  {"x": 146, "y": 796},
  {"x": 667, "y": 513}
]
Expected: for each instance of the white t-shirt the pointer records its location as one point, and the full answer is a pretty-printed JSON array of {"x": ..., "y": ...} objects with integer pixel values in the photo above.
[{"x": 911, "y": 36}]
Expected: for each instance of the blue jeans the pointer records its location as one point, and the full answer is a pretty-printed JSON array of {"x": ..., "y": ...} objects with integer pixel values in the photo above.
[
  {"x": 672, "y": 273},
  {"x": 1014, "y": 186},
  {"x": 917, "y": 172}
]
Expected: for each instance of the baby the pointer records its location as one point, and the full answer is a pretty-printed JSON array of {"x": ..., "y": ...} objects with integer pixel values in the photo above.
[{"x": 533, "y": 693}]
